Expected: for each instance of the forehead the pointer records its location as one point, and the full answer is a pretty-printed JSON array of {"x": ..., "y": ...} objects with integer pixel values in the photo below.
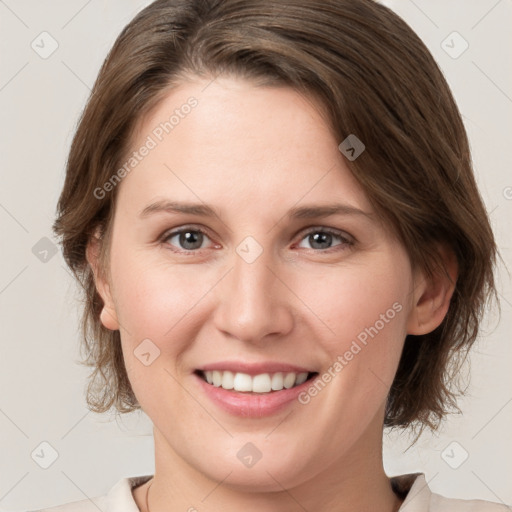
[{"x": 229, "y": 136}]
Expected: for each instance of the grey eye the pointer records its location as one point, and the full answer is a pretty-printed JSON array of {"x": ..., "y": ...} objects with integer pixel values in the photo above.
[{"x": 188, "y": 239}]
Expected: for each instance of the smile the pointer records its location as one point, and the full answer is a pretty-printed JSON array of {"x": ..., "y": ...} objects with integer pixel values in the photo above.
[{"x": 260, "y": 383}]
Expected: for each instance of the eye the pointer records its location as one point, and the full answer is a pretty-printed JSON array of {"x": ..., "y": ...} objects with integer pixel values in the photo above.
[
  {"x": 325, "y": 238},
  {"x": 191, "y": 239},
  {"x": 187, "y": 239}
]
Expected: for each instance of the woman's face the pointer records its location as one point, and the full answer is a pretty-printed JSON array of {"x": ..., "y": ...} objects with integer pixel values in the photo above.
[{"x": 269, "y": 283}]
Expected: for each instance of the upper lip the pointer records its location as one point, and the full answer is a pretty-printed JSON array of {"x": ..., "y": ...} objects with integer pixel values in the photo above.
[{"x": 254, "y": 368}]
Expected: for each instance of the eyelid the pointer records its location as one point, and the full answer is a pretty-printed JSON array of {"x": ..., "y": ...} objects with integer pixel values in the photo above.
[
  {"x": 346, "y": 238},
  {"x": 178, "y": 230},
  {"x": 331, "y": 231},
  {"x": 347, "y": 241}
]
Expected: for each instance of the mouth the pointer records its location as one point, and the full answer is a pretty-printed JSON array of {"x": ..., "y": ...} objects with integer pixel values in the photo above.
[{"x": 260, "y": 384}]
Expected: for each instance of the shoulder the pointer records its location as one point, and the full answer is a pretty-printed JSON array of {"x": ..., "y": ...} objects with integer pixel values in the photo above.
[
  {"x": 118, "y": 499},
  {"x": 419, "y": 498}
]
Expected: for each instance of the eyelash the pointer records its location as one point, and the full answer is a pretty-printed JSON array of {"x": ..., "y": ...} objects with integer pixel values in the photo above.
[{"x": 346, "y": 240}]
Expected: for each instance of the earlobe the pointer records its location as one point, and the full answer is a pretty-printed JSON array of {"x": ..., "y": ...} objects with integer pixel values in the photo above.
[
  {"x": 108, "y": 315},
  {"x": 432, "y": 296},
  {"x": 108, "y": 318}
]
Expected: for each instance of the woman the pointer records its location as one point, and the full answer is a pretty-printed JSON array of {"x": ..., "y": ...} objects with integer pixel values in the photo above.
[{"x": 272, "y": 210}]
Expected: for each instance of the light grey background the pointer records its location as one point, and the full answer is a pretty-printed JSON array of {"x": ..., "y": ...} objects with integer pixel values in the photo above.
[{"x": 41, "y": 384}]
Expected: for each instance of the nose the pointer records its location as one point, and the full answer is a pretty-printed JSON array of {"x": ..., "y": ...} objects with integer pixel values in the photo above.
[{"x": 254, "y": 305}]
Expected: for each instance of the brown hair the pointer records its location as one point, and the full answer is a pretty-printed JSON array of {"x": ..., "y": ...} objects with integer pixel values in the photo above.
[{"x": 376, "y": 79}]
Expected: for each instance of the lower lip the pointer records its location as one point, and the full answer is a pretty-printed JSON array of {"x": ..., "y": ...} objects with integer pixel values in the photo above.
[{"x": 252, "y": 405}]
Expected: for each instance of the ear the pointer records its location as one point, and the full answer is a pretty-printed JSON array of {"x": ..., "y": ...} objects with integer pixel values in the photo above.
[
  {"x": 108, "y": 315},
  {"x": 432, "y": 295}
]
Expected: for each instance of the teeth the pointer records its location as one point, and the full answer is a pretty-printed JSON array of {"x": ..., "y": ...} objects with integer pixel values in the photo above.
[
  {"x": 277, "y": 381},
  {"x": 217, "y": 378},
  {"x": 301, "y": 378},
  {"x": 242, "y": 382},
  {"x": 262, "y": 383},
  {"x": 289, "y": 380},
  {"x": 228, "y": 380}
]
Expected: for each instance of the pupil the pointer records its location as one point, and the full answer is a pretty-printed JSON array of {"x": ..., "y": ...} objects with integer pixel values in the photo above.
[
  {"x": 191, "y": 237},
  {"x": 321, "y": 238}
]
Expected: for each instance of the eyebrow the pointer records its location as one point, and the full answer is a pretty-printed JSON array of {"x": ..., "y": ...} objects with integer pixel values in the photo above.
[{"x": 204, "y": 210}]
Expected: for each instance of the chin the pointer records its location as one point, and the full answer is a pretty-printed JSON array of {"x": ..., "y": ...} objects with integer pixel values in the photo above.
[{"x": 244, "y": 469}]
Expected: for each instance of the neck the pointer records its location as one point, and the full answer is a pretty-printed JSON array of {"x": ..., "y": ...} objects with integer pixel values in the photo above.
[{"x": 356, "y": 481}]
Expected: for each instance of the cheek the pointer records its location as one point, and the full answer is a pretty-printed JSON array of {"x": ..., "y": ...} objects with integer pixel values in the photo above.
[
  {"x": 155, "y": 300},
  {"x": 158, "y": 303},
  {"x": 365, "y": 310},
  {"x": 351, "y": 300}
]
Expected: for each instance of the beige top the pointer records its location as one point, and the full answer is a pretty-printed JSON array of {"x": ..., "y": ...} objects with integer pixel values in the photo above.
[{"x": 419, "y": 498}]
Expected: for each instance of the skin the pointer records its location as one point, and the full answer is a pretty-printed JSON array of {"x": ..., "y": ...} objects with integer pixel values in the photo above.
[{"x": 253, "y": 153}]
